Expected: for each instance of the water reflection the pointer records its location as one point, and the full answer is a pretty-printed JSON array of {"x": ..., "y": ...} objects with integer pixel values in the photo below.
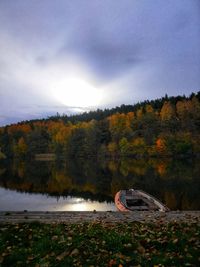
[
  {"x": 18, "y": 201},
  {"x": 175, "y": 183}
]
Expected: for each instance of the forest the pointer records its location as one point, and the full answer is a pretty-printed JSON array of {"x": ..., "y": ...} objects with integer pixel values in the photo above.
[{"x": 165, "y": 127}]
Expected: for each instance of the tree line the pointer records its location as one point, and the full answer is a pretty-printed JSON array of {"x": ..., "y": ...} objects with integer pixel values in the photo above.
[{"x": 159, "y": 128}]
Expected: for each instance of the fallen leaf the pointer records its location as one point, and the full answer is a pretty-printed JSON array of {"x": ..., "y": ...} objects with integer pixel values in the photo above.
[
  {"x": 74, "y": 252},
  {"x": 175, "y": 241},
  {"x": 141, "y": 249},
  {"x": 112, "y": 262},
  {"x": 30, "y": 258},
  {"x": 62, "y": 255},
  {"x": 55, "y": 237}
]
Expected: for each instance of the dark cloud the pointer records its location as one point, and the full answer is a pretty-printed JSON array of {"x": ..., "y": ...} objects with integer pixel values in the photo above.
[
  {"x": 135, "y": 33},
  {"x": 106, "y": 59}
]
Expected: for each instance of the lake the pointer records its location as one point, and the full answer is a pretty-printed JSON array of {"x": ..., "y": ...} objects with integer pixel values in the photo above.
[{"x": 87, "y": 185}]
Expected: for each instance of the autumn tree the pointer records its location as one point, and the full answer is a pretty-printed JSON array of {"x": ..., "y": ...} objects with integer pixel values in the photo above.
[
  {"x": 167, "y": 112},
  {"x": 38, "y": 142},
  {"x": 168, "y": 117}
]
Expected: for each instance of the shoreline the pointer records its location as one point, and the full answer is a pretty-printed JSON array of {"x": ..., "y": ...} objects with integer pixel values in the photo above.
[{"x": 76, "y": 217}]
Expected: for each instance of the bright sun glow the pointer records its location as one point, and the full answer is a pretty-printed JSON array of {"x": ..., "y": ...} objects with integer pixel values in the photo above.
[{"x": 77, "y": 93}]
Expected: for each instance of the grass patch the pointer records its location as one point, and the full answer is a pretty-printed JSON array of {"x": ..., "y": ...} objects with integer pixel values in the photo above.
[{"x": 98, "y": 244}]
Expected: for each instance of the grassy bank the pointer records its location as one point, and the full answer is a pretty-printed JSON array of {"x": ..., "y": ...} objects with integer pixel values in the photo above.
[{"x": 99, "y": 244}]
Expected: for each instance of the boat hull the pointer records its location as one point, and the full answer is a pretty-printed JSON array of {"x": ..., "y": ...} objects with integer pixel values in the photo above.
[{"x": 137, "y": 200}]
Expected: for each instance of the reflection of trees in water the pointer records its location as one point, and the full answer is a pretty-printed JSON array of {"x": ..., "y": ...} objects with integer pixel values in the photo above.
[
  {"x": 89, "y": 176},
  {"x": 176, "y": 183},
  {"x": 75, "y": 178},
  {"x": 26, "y": 176}
]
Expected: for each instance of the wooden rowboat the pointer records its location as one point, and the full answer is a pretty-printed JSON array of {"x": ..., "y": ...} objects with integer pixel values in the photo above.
[{"x": 137, "y": 200}]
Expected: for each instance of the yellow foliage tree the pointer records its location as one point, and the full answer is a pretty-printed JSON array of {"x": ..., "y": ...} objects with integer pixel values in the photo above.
[{"x": 167, "y": 112}]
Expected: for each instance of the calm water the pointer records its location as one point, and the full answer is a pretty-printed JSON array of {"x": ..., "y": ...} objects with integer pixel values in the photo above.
[{"x": 88, "y": 185}]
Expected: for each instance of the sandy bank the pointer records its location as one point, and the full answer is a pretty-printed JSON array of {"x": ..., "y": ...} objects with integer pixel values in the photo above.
[{"x": 106, "y": 217}]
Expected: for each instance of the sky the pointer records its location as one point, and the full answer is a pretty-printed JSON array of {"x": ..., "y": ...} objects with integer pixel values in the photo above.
[{"x": 70, "y": 56}]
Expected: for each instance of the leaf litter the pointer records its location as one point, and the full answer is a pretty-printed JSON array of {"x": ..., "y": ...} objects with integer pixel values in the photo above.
[{"x": 100, "y": 244}]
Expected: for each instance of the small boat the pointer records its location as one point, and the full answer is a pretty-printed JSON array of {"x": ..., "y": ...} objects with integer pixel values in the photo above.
[{"x": 137, "y": 200}]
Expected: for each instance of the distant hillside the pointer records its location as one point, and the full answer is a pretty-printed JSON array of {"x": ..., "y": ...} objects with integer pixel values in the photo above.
[
  {"x": 102, "y": 114},
  {"x": 163, "y": 127}
]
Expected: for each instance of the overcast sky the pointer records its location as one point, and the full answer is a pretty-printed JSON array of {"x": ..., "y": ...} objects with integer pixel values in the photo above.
[{"x": 67, "y": 56}]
